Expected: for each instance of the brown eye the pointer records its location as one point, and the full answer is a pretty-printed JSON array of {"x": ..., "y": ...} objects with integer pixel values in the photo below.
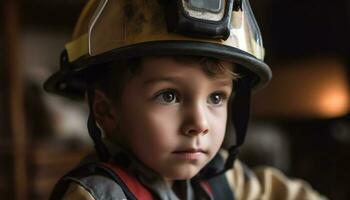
[
  {"x": 216, "y": 98},
  {"x": 167, "y": 97}
]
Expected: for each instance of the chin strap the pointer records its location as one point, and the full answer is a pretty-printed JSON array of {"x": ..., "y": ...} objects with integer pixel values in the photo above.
[
  {"x": 240, "y": 110},
  {"x": 94, "y": 131}
]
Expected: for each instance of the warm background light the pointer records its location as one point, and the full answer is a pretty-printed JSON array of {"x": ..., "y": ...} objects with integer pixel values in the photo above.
[
  {"x": 334, "y": 102},
  {"x": 313, "y": 88}
]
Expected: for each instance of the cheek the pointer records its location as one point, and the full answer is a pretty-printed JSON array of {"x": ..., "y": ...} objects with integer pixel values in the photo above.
[
  {"x": 151, "y": 128},
  {"x": 160, "y": 126},
  {"x": 218, "y": 127}
]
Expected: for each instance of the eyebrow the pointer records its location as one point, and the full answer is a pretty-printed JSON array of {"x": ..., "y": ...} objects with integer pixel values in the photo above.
[
  {"x": 224, "y": 82},
  {"x": 177, "y": 80},
  {"x": 161, "y": 79}
]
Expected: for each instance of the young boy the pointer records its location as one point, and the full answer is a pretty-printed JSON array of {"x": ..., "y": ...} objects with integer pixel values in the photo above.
[{"x": 167, "y": 81}]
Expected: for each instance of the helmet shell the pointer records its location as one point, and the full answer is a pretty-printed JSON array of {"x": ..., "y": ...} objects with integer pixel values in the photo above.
[{"x": 110, "y": 30}]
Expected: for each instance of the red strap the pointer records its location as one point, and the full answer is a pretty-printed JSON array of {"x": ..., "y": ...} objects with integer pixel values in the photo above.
[
  {"x": 205, "y": 185},
  {"x": 133, "y": 184}
]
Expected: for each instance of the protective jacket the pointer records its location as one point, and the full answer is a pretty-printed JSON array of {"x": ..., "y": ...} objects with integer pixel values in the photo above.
[{"x": 264, "y": 183}]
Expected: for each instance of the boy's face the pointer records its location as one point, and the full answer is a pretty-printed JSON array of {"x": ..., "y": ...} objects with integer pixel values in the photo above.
[{"x": 173, "y": 116}]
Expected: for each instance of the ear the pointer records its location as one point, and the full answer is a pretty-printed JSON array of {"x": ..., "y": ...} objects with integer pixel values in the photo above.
[{"x": 105, "y": 112}]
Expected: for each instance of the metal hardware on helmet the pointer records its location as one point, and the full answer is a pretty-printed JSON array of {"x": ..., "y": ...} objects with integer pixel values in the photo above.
[
  {"x": 205, "y": 18},
  {"x": 213, "y": 6}
]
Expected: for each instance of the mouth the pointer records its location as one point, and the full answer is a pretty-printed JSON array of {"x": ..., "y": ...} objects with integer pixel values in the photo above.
[
  {"x": 190, "y": 150},
  {"x": 190, "y": 154}
]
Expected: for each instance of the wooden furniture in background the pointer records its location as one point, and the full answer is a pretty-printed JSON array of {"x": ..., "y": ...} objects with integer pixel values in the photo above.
[{"x": 13, "y": 132}]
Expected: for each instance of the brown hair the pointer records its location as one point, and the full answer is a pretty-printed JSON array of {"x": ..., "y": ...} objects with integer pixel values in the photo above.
[{"x": 112, "y": 80}]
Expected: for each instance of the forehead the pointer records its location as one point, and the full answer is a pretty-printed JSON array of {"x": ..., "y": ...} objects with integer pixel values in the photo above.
[{"x": 185, "y": 67}]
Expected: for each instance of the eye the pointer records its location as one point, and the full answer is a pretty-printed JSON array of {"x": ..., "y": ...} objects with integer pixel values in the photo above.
[
  {"x": 217, "y": 98},
  {"x": 167, "y": 97}
]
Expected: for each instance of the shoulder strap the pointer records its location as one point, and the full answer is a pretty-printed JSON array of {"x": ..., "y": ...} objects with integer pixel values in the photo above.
[
  {"x": 218, "y": 185},
  {"x": 131, "y": 187},
  {"x": 220, "y": 188},
  {"x": 131, "y": 182}
]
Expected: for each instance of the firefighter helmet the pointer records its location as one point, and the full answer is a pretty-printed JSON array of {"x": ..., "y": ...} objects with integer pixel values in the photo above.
[{"x": 108, "y": 30}]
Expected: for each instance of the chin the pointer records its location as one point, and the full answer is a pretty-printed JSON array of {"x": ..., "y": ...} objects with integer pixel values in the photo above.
[{"x": 183, "y": 173}]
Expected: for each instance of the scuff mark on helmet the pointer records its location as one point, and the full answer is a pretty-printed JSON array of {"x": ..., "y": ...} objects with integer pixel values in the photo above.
[{"x": 134, "y": 17}]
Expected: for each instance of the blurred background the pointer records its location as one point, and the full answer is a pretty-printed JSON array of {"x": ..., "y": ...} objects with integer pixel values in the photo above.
[{"x": 300, "y": 123}]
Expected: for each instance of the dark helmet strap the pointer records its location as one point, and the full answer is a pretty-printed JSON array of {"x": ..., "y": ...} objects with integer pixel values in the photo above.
[
  {"x": 241, "y": 113},
  {"x": 94, "y": 131}
]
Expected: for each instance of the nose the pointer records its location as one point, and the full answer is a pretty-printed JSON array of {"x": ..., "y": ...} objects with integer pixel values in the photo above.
[{"x": 195, "y": 121}]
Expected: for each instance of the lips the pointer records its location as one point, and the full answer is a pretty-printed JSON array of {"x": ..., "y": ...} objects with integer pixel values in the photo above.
[
  {"x": 190, "y": 150},
  {"x": 191, "y": 154}
]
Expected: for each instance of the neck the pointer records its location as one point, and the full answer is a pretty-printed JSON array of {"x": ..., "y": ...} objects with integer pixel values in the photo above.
[
  {"x": 169, "y": 182},
  {"x": 180, "y": 188}
]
